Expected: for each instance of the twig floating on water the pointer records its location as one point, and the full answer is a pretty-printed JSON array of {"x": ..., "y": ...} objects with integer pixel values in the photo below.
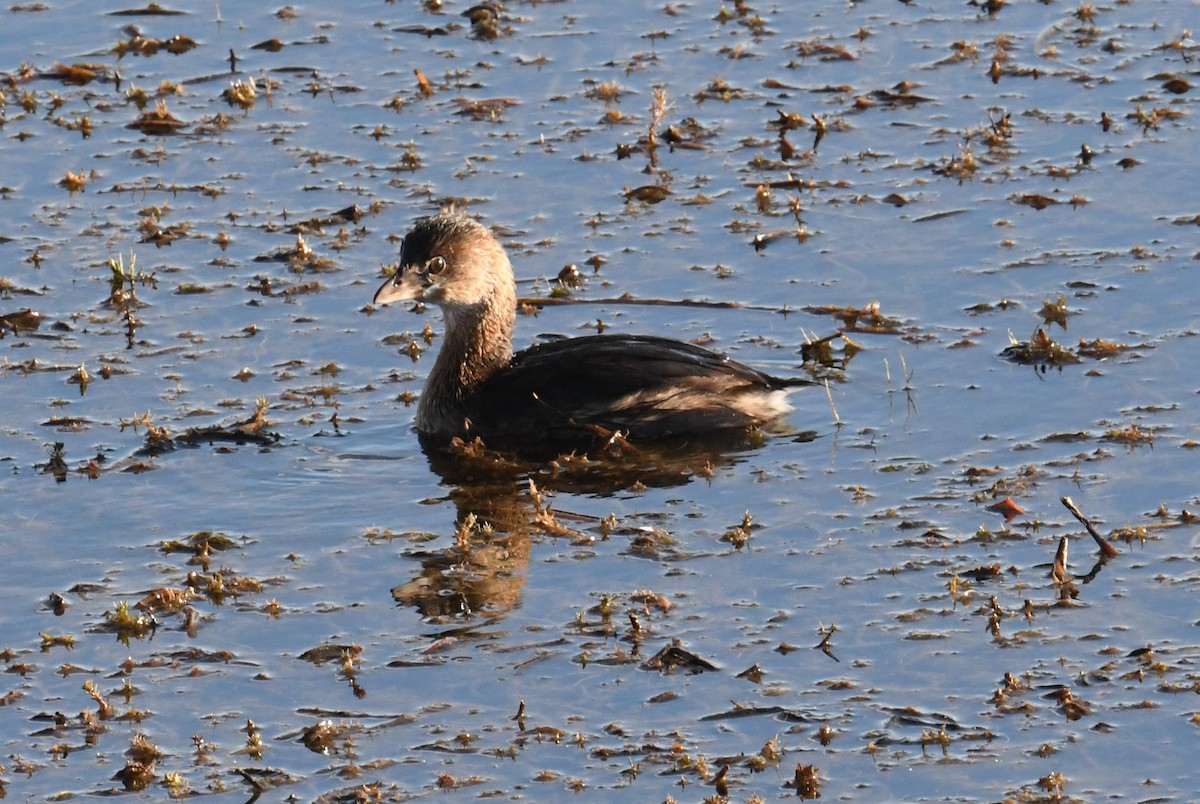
[{"x": 1106, "y": 549}]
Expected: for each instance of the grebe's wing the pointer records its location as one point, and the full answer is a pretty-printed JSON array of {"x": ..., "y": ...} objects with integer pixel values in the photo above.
[{"x": 648, "y": 386}]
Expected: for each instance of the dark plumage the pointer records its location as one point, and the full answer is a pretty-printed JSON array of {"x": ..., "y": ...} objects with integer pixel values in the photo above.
[{"x": 565, "y": 390}]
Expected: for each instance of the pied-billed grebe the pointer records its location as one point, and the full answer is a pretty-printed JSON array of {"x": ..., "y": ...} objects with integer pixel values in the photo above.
[{"x": 564, "y": 390}]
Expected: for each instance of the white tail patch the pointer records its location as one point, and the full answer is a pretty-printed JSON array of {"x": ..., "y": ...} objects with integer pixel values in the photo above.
[{"x": 757, "y": 404}]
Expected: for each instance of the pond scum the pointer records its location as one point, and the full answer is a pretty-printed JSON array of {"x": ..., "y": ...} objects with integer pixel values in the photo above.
[{"x": 197, "y": 199}]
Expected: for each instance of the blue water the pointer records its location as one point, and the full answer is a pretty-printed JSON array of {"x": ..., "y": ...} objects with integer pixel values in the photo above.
[{"x": 864, "y": 528}]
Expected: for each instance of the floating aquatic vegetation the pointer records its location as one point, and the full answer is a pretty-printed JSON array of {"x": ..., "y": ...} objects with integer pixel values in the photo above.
[
  {"x": 78, "y": 74},
  {"x": 867, "y": 318},
  {"x": 1042, "y": 350},
  {"x": 1039, "y": 350},
  {"x": 125, "y": 624},
  {"x": 241, "y": 93},
  {"x": 19, "y": 321},
  {"x": 648, "y": 194},
  {"x": 490, "y": 109},
  {"x": 74, "y": 182},
  {"x": 139, "y": 45},
  {"x": 158, "y": 121}
]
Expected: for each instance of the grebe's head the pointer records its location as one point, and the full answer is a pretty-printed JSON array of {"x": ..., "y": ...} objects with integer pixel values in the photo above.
[{"x": 448, "y": 260}]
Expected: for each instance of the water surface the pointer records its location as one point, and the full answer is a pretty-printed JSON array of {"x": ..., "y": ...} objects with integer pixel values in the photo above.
[{"x": 355, "y": 637}]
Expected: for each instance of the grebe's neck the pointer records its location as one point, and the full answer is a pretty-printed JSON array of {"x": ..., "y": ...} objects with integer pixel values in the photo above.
[{"x": 477, "y": 344}]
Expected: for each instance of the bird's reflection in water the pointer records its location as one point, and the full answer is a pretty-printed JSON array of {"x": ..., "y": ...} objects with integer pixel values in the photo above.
[{"x": 499, "y": 507}]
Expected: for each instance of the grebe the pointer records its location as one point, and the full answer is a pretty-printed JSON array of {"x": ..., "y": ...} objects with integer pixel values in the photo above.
[{"x": 573, "y": 389}]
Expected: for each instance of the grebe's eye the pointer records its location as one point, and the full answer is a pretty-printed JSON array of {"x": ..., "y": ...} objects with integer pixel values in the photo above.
[{"x": 435, "y": 266}]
